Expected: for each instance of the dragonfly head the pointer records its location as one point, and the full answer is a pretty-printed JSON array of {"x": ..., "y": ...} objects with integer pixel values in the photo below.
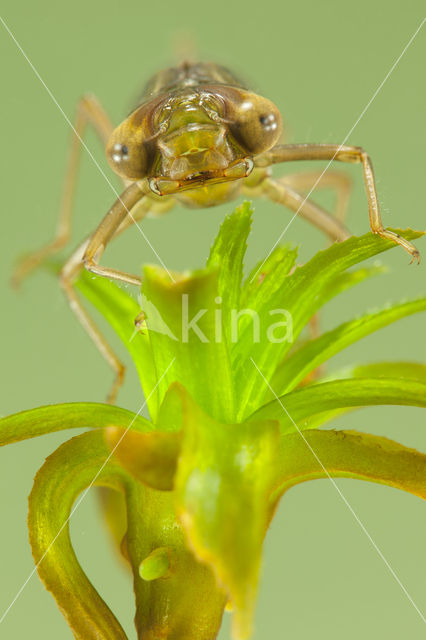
[{"x": 194, "y": 137}]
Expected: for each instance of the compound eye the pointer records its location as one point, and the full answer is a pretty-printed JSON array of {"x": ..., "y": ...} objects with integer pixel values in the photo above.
[
  {"x": 128, "y": 157},
  {"x": 256, "y": 123}
]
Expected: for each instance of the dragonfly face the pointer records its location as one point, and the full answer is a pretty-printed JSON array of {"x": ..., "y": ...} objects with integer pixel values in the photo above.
[{"x": 194, "y": 137}]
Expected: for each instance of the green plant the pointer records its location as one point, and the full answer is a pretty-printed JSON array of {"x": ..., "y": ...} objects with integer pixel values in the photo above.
[{"x": 235, "y": 421}]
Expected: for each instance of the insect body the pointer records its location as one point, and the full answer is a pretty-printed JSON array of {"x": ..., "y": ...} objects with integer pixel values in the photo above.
[{"x": 200, "y": 138}]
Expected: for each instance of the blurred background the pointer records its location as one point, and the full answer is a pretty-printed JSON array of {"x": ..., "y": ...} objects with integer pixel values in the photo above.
[{"x": 320, "y": 62}]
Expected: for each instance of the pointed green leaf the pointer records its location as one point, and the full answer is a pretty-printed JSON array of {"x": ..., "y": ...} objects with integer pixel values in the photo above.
[
  {"x": 348, "y": 454},
  {"x": 227, "y": 254},
  {"x": 223, "y": 480},
  {"x": 415, "y": 371},
  {"x": 121, "y": 310},
  {"x": 405, "y": 370},
  {"x": 301, "y": 406},
  {"x": 267, "y": 277},
  {"x": 70, "y": 470},
  {"x": 300, "y": 296},
  {"x": 315, "y": 352},
  {"x": 187, "y": 337},
  {"x": 73, "y": 415},
  {"x": 345, "y": 280}
]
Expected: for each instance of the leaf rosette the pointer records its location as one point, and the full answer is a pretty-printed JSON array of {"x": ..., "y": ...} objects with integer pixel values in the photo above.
[{"x": 238, "y": 402}]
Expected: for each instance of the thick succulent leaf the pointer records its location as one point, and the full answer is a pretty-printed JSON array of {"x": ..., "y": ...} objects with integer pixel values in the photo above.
[
  {"x": 121, "y": 310},
  {"x": 227, "y": 254},
  {"x": 150, "y": 457},
  {"x": 188, "y": 604},
  {"x": 300, "y": 296},
  {"x": 315, "y": 352},
  {"x": 73, "y": 415},
  {"x": 316, "y": 401},
  {"x": 222, "y": 483},
  {"x": 182, "y": 325},
  {"x": 348, "y": 454},
  {"x": 113, "y": 507},
  {"x": 68, "y": 471}
]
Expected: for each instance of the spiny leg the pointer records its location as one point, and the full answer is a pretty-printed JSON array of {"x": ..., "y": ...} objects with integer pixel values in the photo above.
[
  {"x": 341, "y": 153},
  {"x": 89, "y": 111},
  {"x": 68, "y": 274},
  {"x": 295, "y": 201},
  {"x": 338, "y": 181},
  {"x": 112, "y": 225},
  {"x": 139, "y": 211},
  {"x": 109, "y": 227}
]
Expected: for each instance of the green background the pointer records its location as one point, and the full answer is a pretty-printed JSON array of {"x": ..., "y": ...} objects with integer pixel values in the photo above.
[{"x": 320, "y": 62}]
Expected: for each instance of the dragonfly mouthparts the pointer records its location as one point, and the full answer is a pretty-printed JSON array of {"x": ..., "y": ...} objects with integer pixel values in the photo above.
[{"x": 164, "y": 185}]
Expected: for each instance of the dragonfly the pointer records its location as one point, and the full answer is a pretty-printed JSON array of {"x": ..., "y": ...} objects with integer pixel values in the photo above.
[{"x": 198, "y": 137}]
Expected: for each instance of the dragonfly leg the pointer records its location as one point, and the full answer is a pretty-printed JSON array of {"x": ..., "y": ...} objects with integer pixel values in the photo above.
[
  {"x": 119, "y": 216},
  {"x": 295, "y": 201},
  {"x": 89, "y": 111},
  {"x": 342, "y": 153},
  {"x": 68, "y": 274},
  {"x": 338, "y": 181},
  {"x": 112, "y": 226}
]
